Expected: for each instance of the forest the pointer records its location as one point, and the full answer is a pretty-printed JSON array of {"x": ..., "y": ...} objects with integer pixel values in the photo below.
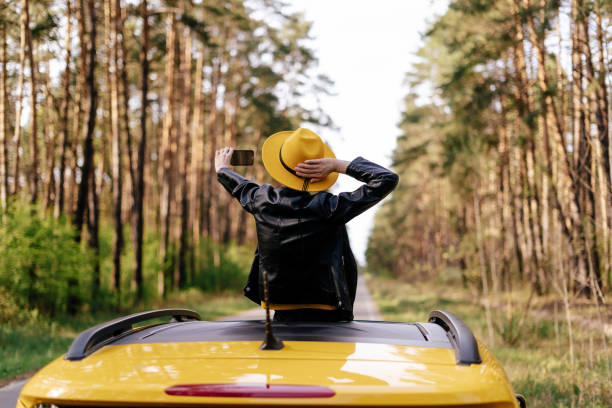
[
  {"x": 506, "y": 175},
  {"x": 505, "y": 189},
  {"x": 111, "y": 111},
  {"x": 110, "y": 114}
]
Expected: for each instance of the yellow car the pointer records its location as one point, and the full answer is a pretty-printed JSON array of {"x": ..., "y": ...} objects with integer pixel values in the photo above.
[{"x": 191, "y": 363}]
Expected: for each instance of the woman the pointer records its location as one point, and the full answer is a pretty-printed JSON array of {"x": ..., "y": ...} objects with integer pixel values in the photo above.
[{"x": 302, "y": 241}]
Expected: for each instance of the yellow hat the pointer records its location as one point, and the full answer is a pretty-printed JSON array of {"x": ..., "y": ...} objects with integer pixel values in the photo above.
[{"x": 283, "y": 151}]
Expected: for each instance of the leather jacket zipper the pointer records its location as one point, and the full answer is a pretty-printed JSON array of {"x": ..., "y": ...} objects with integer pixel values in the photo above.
[{"x": 338, "y": 297}]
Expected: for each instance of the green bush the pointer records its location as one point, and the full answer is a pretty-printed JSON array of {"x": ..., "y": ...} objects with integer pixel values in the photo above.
[
  {"x": 226, "y": 271},
  {"x": 41, "y": 264},
  {"x": 45, "y": 271}
]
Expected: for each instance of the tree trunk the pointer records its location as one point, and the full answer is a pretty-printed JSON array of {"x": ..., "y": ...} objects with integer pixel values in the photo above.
[
  {"x": 93, "y": 221},
  {"x": 525, "y": 212},
  {"x": 514, "y": 214},
  {"x": 483, "y": 264},
  {"x": 527, "y": 157},
  {"x": 87, "y": 201},
  {"x": 142, "y": 148},
  {"x": 50, "y": 142},
  {"x": 126, "y": 99},
  {"x": 582, "y": 164},
  {"x": 212, "y": 223},
  {"x": 184, "y": 151},
  {"x": 197, "y": 154},
  {"x": 22, "y": 53},
  {"x": 78, "y": 111},
  {"x": 33, "y": 117},
  {"x": 226, "y": 209},
  {"x": 587, "y": 181},
  {"x": 106, "y": 124},
  {"x": 233, "y": 208},
  {"x": 537, "y": 42},
  {"x": 4, "y": 161},
  {"x": 598, "y": 83},
  {"x": 59, "y": 196},
  {"x": 549, "y": 106},
  {"x": 604, "y": 141},
  {"x": 165, "y": 170},
  {"x": 502, "y": 194},
  {"x": 116, "y": 147},
  {"x": 88, "y": 148}
]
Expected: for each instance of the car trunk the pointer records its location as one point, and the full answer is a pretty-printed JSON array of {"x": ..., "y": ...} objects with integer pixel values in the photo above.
[{"x": 238, "y": 373}]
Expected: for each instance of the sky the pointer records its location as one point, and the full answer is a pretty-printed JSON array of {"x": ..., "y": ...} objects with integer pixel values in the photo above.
[{"x": 366, "y": 48}]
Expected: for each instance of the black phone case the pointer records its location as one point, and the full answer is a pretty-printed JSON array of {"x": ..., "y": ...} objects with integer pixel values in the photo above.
[{"x": 242, "y": 158}]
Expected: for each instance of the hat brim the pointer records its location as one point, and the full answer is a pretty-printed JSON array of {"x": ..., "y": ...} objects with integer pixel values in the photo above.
[{"x": 270, "y": 154}]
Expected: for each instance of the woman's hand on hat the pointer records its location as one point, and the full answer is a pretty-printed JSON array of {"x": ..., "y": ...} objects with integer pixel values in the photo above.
[
  {"x": 222, "y": 158},
  {"x": 317, "y": 169}
]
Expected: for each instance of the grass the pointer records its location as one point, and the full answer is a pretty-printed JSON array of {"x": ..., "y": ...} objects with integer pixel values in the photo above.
[
  {"x": 209, "y": 306},
  {"x": 28, "y": 347},
  {"x": 538, "y": 362}
]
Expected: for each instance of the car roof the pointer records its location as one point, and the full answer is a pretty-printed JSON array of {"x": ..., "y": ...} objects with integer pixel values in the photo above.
[{"x": 403, "y": 334}]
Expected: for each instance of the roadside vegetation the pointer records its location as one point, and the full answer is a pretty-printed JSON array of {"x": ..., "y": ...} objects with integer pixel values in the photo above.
[
  {"x": 544, "y": 362},
  {"x": 27, "y": 346},
  {"x": 110, "y": 115},
  {"x": 505, "y": 179},
  {"x": 45, "y": 287}
]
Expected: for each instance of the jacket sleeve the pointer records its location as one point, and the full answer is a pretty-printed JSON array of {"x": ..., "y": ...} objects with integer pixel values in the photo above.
[
  {"x": 379, "y": 182},
  {"x": 239, "y": 187}
]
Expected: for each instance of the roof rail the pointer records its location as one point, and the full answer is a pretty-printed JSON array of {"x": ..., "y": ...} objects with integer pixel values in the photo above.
[
  {"x": 461, "y": 337},
  {"x": 95, "y": 337}
]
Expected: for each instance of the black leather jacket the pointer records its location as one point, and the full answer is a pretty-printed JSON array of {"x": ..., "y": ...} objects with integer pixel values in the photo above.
[{"x": 302, "y": 239}]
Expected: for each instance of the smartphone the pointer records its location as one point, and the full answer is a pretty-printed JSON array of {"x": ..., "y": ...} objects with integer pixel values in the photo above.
[{"x": 242, "y": 158}]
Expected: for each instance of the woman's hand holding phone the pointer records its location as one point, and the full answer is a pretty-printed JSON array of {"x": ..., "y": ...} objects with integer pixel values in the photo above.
[
  {"x": 222, "y": 158},
  {"x": 229, "y": 156}
]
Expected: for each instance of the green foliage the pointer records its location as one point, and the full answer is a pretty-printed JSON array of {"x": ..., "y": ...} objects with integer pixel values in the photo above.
[
  {"x": 38, "y": 256},
  {"x": 227, "y": 272},
  {"x": 448, "y": 146},
  {"x": 537, "y": 365},
  {"x": 209, "y": 305},
  {"x": 27, "y": 346},
  {"x": 35, "y": 328},
  {"x": 199, "y": 27},
  {"x": 411, "y": 226},
  {"x": 44, "y": 29},
  {"x": 259, "y": 57}
]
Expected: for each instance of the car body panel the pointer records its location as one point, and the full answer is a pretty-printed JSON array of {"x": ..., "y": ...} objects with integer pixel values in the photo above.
[{"x": 360, "y": 374}]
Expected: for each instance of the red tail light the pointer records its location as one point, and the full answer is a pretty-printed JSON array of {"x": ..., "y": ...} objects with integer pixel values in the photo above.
[{"x": 251, "y": 391}]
